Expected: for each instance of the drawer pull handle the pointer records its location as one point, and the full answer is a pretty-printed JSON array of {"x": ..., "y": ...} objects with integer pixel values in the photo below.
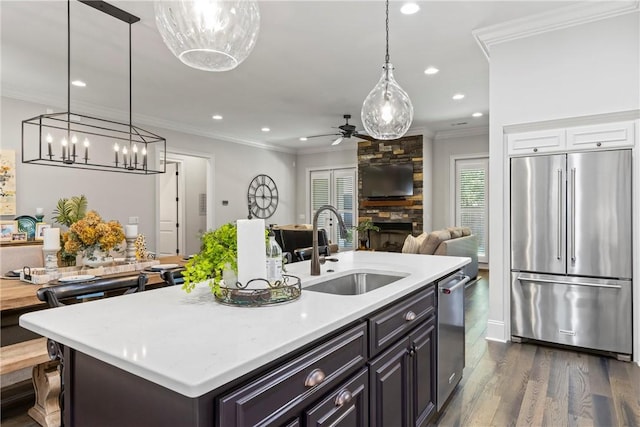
[
  {"x": 314, "y": 378},
  {"x": 344, "y": 396},
  {"x": 409, "y": 316}
]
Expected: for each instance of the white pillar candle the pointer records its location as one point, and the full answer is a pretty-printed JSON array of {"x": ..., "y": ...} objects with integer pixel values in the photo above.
[
  {"x": 252, "y": 258},
  {"x": 39, "y": 211},
  {"x": 131, "y": 230},
  {"x": 52, "y": 239}
]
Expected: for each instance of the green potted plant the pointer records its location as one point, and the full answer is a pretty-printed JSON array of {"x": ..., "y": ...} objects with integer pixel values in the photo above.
[
  {"x": 363, "y": 228},
  {"x": 67, "y": 212},
  {"x": 218, "y": 253}
]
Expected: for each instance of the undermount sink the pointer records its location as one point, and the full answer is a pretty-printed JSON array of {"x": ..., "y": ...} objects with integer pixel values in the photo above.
[{"x": 355, "y": 283}]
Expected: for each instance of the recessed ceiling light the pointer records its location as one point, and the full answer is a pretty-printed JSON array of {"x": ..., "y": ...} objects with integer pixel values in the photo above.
[
  {"x": 303, "y": 138},
  {"x": 477, "y": 114},
  {"x": 265, "y": 129},
  {"x": 409, "y": 8},
  {"x": 431, "y": 71},
  {"x": 216, "y": 117},
  {"x": 458, "y": 96},
  {"x": 78, "y": 83}
]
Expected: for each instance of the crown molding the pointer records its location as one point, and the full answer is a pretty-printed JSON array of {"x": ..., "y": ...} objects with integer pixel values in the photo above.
[
  {"x": 425, "y": 132},
  {"x": 140, "y": 119},
  {"x": 462, "y": 133},
  {"x": 594, "y": 119},
  {"x": 327, "y": 149},
  {"x": 552, "y": 20}
]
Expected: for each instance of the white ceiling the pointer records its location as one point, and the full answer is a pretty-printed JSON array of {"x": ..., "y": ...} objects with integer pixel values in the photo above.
[{"x": 314, "y": 61}]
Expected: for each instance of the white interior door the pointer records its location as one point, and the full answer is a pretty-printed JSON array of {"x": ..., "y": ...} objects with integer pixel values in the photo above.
[{"x": 170, "y": 242}]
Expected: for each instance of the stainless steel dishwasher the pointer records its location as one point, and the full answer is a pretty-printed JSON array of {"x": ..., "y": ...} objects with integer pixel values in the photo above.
[{"x": 450, "y": 334}]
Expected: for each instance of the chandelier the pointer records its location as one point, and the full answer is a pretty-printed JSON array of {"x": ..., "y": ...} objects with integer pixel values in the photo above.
[{"x": 73, "y": 140}]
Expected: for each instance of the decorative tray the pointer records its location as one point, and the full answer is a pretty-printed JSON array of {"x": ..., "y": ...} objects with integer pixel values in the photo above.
[{"x": 250, "y": 295}]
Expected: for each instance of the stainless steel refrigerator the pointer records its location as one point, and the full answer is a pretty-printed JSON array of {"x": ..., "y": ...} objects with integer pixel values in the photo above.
[{"x": 571, "y": 244}]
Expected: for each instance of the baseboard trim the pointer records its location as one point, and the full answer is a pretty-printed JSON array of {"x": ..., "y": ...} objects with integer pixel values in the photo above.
[{"x": 496, "y": 331}]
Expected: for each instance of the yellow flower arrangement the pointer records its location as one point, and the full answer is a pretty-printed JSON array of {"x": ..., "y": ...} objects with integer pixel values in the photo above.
[{"x": 91, "y": 233}]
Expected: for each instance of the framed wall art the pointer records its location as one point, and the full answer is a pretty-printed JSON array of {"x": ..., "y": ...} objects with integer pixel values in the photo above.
[{"x": 8, "y": 182}]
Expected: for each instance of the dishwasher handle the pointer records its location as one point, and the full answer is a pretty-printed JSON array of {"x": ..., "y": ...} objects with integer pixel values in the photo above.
[{"x": 449, "y": 289}]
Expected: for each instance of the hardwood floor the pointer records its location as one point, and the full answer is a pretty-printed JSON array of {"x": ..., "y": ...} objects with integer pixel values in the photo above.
[
  {"x": 524, "y": 384},
  {"x": 529, "y": 385}
]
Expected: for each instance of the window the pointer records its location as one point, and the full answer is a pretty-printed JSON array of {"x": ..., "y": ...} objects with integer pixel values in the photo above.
[
  {"x": 334, "y": 187},
  {"x": 472, "y": 201}
]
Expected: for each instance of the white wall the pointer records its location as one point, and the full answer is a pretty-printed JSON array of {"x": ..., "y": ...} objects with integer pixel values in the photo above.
[
  {"x": 428, "y": 184},
  {"x": 344, "y": 156},
  {"x": 587, "y": 69},
  {"x": 118, "y": 196},
  {"x": 445, "y": 146}
]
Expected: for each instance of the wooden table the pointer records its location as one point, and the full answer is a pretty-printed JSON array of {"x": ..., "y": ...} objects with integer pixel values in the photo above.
[
  {"x": 23, "y": 348},
  {"x": 18, "y": 294}
]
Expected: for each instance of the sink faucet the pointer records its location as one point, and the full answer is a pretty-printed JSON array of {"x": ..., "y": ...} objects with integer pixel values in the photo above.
[{"x": 316, "y": 259}]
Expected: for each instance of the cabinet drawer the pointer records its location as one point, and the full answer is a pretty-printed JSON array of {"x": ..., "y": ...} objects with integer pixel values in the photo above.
[
  {"x": 547, "y": 141},
  {"x": 608, "y": 135},
  {"x": 347, "y": 406},
  {"x": 282, "y": 393},
  {"x": 395, "y": 321}
]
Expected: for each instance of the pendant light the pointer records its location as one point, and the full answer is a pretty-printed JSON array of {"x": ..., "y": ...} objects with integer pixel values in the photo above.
[
  {"x": 387, "y": 112},
  {"x": 210, "y": 35}
]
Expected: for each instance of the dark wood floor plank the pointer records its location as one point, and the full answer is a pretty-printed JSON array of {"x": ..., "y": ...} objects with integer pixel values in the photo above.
[
  {"x": 579, "y": 390},
  {"x": 533, "y": 403},
  {"x": 603, "y": 410},
  {"x": 625, "y": 401},
  {"x": 514, "y": 380},
  {"x": 599, "y": 376}
]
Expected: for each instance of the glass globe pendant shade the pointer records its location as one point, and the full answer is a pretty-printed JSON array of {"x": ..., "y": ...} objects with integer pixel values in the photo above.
[
  {"x": 210, "y": 35},
  {"x": 387, "y": 111}
]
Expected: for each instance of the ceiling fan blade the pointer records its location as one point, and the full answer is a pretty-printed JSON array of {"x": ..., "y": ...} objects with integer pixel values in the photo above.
[
  {"x": 364, "y": 136},
  {"x": 338, "y": 140},
  {"x": 326, "y": 134}
]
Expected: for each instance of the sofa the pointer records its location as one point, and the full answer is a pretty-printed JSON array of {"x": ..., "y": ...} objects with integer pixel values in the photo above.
[{"x": 452, "y": 241}]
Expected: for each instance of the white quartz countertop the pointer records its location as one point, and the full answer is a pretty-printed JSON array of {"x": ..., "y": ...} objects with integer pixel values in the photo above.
[{"x": 191, "y": 344}]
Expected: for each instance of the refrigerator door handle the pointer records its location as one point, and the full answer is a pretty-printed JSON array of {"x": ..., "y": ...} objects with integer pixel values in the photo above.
[
  {"x": 560, "y": 282},
  {"x": 559, "y": 214},
  {"x": 573, "y": 214}
]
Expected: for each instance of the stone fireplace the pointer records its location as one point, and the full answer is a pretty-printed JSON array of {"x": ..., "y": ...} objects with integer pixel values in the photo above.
[
  {"x": 391, "y": 236},
  {"x": 396, "y": 217}
]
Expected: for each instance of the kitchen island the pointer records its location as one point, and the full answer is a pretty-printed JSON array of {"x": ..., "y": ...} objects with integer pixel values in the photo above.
[{"x": 166, "y": 357}]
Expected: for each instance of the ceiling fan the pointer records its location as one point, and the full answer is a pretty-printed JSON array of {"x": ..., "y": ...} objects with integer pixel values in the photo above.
[{"x": 346, "y": 131}]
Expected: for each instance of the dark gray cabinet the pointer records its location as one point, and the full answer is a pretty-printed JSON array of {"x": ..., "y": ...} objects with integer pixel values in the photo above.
[
  {"x": 348, "y": 406},
  {"x": 403, "y": 379},
  {"x": 394, "y": 322},
  {"x": 423, "y": 372},
  {"x": 389, "y": 387},
  {"x": 285, "y": 391}
]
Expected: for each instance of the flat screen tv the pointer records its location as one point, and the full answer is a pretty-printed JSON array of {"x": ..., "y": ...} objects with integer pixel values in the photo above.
[{"x": 387, "y": 181}]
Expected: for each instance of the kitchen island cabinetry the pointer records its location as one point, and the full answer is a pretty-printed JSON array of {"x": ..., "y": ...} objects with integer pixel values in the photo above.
[
  {"x": 403, "y": 380},
  {"x": 169, "y": 358}
]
